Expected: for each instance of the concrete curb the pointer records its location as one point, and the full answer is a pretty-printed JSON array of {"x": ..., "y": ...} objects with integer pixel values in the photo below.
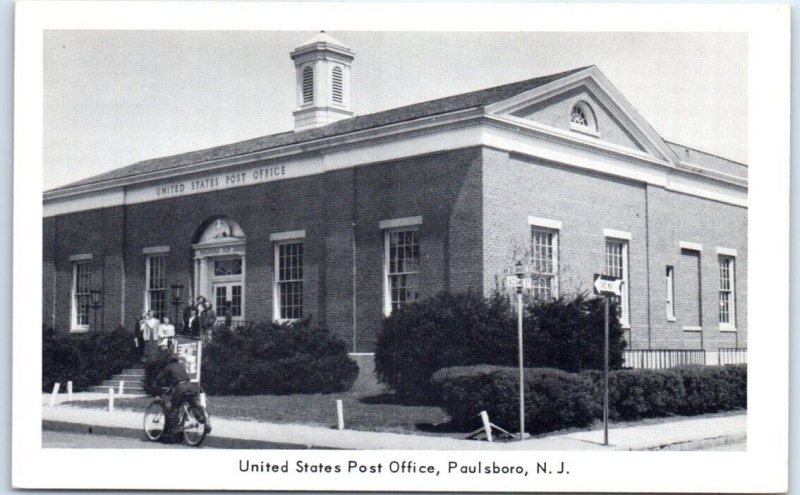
[
  {"x": 211, "y": 440},
  {"x": 702, "y": 443}
]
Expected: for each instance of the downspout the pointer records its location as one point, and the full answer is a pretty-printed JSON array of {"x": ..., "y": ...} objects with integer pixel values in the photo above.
[
  {"x": 353, "y": 221},
  {"x": 647, "y": 254}
]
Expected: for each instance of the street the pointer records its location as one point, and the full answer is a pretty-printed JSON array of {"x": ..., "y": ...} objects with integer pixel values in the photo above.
[{"x": 61, "y": 440}]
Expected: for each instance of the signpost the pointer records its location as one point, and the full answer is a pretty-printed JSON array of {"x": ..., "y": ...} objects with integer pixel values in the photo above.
[
  {"x": 516, "y": 277},
  {"x": 606, "y": 286}
]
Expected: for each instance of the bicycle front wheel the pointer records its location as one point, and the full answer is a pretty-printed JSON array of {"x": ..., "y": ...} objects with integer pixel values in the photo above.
[
  {"x": 194, "y": 432},
  {"x": 155, "y": 420}
]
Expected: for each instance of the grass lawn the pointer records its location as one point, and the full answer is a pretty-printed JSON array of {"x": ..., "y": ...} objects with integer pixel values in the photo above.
[{"x": 361, "y": 412}]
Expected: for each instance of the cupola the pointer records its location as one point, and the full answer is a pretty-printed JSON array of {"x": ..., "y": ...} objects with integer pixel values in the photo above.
[{"x": 322, "y": 66}]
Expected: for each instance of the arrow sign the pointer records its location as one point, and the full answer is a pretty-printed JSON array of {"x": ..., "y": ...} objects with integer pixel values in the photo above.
[{"x": 606, "y": 285}]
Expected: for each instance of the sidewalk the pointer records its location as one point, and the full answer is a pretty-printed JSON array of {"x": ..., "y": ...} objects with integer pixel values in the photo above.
[{"x": 229, "y": 433}]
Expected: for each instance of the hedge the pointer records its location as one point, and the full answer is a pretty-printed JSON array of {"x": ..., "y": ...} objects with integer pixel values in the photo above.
[
  {"x": 271, "y": 358},
  {"x": 85, "y": 359},
  {"x": 466, "y": 329},
  {"x": 556, "y": 399}
]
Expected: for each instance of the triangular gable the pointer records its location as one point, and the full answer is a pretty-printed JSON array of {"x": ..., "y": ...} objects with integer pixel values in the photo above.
[{"x": 617, "y": 122}]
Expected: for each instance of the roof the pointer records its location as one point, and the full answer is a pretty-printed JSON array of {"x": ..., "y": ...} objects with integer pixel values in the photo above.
[{"x": 474, "y": 99}]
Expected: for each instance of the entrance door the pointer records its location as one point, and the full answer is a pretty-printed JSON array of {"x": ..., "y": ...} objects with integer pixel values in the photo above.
[{"x": 228, "y": 297}]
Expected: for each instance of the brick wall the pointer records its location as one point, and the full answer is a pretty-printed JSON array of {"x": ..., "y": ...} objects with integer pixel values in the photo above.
[
  {"x": 586, "y": 203},
  {"x": 443, "y": 188},
  {"x": 673, "y": 218}
]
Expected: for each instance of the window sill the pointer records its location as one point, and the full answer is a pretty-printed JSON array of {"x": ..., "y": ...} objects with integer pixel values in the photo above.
[
  {"x": 688, "y": 328},
  {"x": 79, "y": 329},
  {"x": 671, "y": 319},
  {"x": 583, "y": 129},
  {"x": 727, "y": 329}
]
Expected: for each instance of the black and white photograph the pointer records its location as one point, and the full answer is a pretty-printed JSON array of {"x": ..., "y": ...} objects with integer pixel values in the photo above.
[{"x": 312, "y": 250}]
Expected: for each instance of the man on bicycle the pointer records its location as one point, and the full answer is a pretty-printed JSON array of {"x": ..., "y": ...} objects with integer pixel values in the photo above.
[{"x": 182, "y": 390}]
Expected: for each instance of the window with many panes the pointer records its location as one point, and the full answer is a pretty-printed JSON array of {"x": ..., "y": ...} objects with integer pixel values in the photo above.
[
  {"x": 289, "y": 280},
  {"x": 617, "y": 266},
  {"x": 544, "y": 259},
  {"x": 156, "y": 283},
  {"x": 402, "y": 268},
  {"x": 727, "y": 312},
  {"x": 80, "y": 295}
]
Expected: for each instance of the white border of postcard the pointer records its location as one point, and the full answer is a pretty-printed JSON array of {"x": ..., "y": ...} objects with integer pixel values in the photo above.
[{"x": 761, "y": 468}]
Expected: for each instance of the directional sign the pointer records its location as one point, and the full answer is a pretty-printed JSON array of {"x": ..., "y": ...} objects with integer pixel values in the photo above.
[{"x": 606, "y": 285}]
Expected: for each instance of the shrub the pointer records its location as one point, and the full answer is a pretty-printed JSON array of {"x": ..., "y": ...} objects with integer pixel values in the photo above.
[
  {"x": 555, "y": 399},
  {"x": 276, "y": 358},
  {"x": 438, "y": 332},
  {"x": 466, "y": 329},
  {"x": 85, "y": 359}
]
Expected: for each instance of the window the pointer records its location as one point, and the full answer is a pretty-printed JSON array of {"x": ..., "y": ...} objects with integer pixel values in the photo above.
[
  {"x": 578, "y": 116},
  {"x": 289, "y": 280},
  {"x": 402, "y": 268},
  {"x": 617, "y": 266},
  {"x": 727, "y": 312},
  {"x": 337, "y": 85},
  {"x": 582, "y": 119},
  {"x": 670, "y": 293},
  {"x": 231, "y": 266},
  {"x": 156, "y": 283},
  {"x": 80, "y": 295},
  {"x": 544, "y": 258},
  {"x": 308, "y": 85}
]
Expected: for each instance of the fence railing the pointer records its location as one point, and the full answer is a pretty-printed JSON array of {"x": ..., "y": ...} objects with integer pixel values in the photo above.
[
  {"x": 732, "y": 355},
  {"x": 662, "y": 358}
]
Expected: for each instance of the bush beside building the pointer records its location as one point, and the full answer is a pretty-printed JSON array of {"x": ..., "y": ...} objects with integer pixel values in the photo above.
[
  {"x": 468, "y": 329},
  {"x": 555, "y": 399}
]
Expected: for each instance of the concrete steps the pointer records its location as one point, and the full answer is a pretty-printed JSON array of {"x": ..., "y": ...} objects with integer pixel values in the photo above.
[{"x": 133, "y": 378}]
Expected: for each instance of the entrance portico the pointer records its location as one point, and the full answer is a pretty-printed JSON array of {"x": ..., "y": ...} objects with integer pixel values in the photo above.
[{"x": 219, "y": 266}]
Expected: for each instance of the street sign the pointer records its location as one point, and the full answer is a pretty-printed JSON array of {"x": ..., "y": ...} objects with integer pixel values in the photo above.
[
  {"x": 520, "y": 269},
  {"x": 513, "y": 281},
  {"x": 606, "y": 285}
]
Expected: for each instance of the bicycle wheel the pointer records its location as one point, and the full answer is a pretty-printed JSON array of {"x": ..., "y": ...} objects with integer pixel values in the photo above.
[
  {"x": 155, "y": 420},
  {"x": 194, "y": 432}
]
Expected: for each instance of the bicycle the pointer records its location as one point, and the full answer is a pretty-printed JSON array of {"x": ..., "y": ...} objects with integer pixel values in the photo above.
[{"x": 192, "y": 430}]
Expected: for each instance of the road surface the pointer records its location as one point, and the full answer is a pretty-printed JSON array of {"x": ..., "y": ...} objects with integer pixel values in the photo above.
[{"x": 61, "y": 440}]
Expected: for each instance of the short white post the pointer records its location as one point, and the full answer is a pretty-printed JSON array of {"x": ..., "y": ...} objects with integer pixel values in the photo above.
[
  {"x": 121, "y": 387},
  {"x": 69, "y": 390},
  {"x": 487, "y": 426},
  {"x": 203, "y": 400},
  {"x": 110, "y": 399},
  {"x": 54, "y": 395},
  {"x": 340, "y": 413}
]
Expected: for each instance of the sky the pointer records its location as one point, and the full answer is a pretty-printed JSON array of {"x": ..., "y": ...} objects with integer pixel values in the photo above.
[{"x": 112, "y": 98}]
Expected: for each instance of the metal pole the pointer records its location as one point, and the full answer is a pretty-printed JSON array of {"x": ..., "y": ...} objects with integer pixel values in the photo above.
[
  {"x": 521, "y": 368},
  {"x": 605, "y": 377}
]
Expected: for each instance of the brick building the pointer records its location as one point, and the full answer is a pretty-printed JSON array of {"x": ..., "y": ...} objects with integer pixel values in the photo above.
[{"x": 346, "y": 217}]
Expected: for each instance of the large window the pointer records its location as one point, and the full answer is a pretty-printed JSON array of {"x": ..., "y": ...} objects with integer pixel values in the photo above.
[
  {"x": 402, "y": 268},
  {"x": 727, "y": 312},
  {"x": 617, "y": 266},
  {"x": 544, "y": 258},
  {"x": 289, "y": 280},
  {"x": 80, "y": 295},
  {"x": 156, "y": 283}
]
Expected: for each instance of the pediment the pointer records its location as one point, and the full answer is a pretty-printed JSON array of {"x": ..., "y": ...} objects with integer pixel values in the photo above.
[{"x": 604, "y": 116}]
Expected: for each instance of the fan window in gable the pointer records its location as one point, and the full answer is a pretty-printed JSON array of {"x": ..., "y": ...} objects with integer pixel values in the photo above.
[
  {"x": 337, "y": 85},
  {"x": 308, "y": 85},
  {"x": 579, "y": 116}
]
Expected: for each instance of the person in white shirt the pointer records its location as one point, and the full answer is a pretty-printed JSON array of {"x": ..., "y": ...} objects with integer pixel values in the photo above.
[{"x": 166, "y": 334}]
